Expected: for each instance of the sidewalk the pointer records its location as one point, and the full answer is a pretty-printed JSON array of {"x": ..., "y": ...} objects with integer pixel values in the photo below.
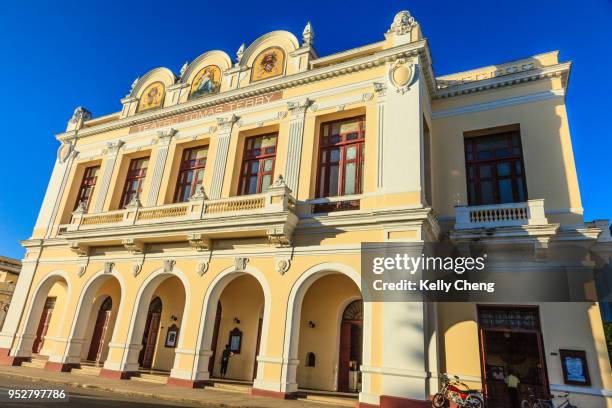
[{"x": 204, "y": 397}]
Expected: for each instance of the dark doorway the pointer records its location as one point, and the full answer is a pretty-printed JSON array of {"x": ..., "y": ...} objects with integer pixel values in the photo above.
[
  {"x": 97, "y": 338},
  {"x": 43, "y": 324},
  {"x": 511, "y": 342},
  {"x": 149, "y": 337},
  {"x": 213, "y": 346},
  {"x": 350, "y": 353}
]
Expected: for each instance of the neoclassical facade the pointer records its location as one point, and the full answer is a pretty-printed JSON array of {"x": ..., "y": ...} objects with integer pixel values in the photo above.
[{"x": 226, "y": 206}]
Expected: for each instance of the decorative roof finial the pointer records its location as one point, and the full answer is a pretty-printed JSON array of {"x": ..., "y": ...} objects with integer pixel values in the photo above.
[
  {"x": 184, "y": 69},
  {"x": 402, "y": 23},
  {"x": 308, "y": 35},
  {"x": 133, "y": 85},
  {"x": 240, "y": 53}
]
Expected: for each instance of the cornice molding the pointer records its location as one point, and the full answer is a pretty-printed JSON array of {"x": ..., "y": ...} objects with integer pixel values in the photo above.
[{"x": 313, "y": 75}]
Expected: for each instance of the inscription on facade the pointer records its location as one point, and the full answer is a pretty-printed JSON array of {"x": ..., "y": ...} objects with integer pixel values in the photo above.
[{"x": 209, "y": 111}]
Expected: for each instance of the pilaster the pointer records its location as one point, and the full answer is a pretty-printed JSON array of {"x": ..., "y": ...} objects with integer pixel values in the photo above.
[
  {"x": 225, "y": 127},
  {"x": 164, "y": 137},
  {"x": 109, "y": 166},
  {"x": 296, "y": 138}
]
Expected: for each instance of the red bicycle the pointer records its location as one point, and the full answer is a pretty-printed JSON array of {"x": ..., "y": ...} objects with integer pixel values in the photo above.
[{"x": 457, "y": 392}]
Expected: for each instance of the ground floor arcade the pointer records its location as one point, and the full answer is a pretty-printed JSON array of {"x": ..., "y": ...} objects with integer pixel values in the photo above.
[{"x": 305, "y": 329}]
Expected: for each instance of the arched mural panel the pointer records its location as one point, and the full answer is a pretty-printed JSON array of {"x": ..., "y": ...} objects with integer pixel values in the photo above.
[{"x": 152, "y": 97}]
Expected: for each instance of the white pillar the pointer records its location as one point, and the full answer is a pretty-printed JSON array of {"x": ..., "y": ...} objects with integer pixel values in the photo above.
[
  {"x": 224, "y": 134},
  {"x": 163, "y": 144},
  {"x": 109, "y": 166},
  {"x": 294, "y": 145}
]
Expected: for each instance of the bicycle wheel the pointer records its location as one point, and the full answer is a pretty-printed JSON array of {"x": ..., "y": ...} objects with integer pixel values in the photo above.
[
  {"x": 439, "y": 401},
  {"x": 543, "y": 404},
  {"x": 526, "y": 404}
]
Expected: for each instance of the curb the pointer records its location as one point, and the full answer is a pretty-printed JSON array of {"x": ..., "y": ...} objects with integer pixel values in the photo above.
[{"x": 128, "y": 393}]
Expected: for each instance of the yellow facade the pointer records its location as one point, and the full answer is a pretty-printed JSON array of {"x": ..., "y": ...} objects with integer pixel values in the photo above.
[{"x": 274, "y": 259}]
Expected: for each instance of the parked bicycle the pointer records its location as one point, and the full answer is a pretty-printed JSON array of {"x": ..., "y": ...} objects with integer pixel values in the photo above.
[
  {"x": 455, "y": 391},
  {"x": 535, "y": 402}
]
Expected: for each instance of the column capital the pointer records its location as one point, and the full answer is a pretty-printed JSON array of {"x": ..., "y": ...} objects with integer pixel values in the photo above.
[
  {"x": 225, "y": 123},
  {"x": 165, "y": 136},
  {"x": 298, "y": 108}
]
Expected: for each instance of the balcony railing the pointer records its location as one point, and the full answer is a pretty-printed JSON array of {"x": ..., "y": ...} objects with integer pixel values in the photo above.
[
  {"x": 500, "y": 215},
  {"x": 199, "y": 220}
]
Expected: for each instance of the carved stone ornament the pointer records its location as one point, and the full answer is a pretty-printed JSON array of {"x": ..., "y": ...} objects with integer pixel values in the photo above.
[
  {"x": 240, "y": 53},
  {"x": 279, "y": 182},
  {"x": 202, "y": 268},
  {"x": 134, "y": 202},
  {"x": 240, "y": 263},
  {"x": 403, "y": 23},
  {"x": 165, "y": 135},
  {"x": 79, "y": 249},
  {"x": 65, "y": 151},
  {"x": 81, "y": 271},
  {"x": 401, "y": 75},
  {"x": 300, "y": 107},
  {"x": 113, "y": 147},
  {"x": 308, "y": 35},
  {"x": 184, "y": 69},
  {"x": 133, "y": 246},
  {"x": 380, "y": 89},
  {"x": 199, "y": 194},
  {"x": 283, "y": 265},
  {"x": 80, "y": 115},
  {"x": 225, "y": 123},
  {"x": 133, "y": 85},
  {"x": 169, "y": 265},
  {"x": 136, "y": 269},
  {"x": 281, "y": 114},
  {"x": 279, "y": 237},
  {"x": 368, "y": 96},
  {"x": 198, "y": 242},
  {"x": 108, "y": 266}
]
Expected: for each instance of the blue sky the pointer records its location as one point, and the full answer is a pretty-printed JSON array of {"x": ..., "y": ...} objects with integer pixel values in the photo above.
[{"x": 57, "y": 55}]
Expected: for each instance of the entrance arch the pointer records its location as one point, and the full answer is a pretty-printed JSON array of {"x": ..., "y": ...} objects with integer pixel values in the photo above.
[
  {"x": 172, "y": 288},
  {"x": 207, "y": 324},
  {"x": 296, "y": 323},
  {"x": 52, "y": 292},
  {"x": 102, "y": 287},
  {"x": 151, "y": 333}
]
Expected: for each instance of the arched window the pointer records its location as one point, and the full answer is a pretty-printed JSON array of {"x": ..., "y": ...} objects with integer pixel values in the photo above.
[
  {"x": 310, "y": 359},
  {"x": 354, "y": 311}
]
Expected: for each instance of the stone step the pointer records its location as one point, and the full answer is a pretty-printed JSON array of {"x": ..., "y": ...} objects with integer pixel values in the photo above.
[
  {"x": 87, "y": 370},
  {"x": 150, "y": 378},
  {"x": 329, "y": 400},
  {"x": 231, "y": 387},
  {"x": 35, "y": 362}
]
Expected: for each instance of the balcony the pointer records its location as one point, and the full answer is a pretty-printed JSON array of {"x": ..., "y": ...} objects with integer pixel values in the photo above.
[
  {"x": 502, "y": 220},
  {"x": 199, "y": 221}
]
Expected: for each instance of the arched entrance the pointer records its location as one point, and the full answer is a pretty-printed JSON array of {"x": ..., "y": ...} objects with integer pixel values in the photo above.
[
  {"x": 351, "y": 346},
  {"x": 150, "y": 334},
  {"x": 46, "y": 315},
  {"x": 239, "y": 315},
  {"x": 326, "y": 340},
  {"x": 100, "y": 330}
]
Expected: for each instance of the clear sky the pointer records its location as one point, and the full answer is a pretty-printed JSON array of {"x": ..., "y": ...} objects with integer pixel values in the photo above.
[{"x": 57, "y": 55}]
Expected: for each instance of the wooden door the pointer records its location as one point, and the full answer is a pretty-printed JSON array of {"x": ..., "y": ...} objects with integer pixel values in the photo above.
[
  {"x": 97, "y": 339},
  {"x": 344, "y": 356},
  {"x": 147, "y": 359},
  {"x": 257, "y": 348},
  {"x": 43, "y": 326},
  {"x": 215, "y": 338}
]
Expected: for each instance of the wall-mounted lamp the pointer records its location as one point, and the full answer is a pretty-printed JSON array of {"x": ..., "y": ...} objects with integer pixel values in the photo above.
[
  {"x": 173, "y": 318},
  {"x": 311, "y": 324},
  {"x": 236, "y": 320}
]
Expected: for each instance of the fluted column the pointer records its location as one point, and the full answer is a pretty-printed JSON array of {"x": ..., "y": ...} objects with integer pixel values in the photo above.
[
  {"x": 294, "y": 145},
  {"x": 225, "y": 126},
  {"x": 164, "y": 137},
  {"x": 113, "y": 151},
  {"x": 381, "y": 93}
]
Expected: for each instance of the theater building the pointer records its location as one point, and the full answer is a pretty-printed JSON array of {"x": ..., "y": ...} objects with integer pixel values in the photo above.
[{"x": 226, "y": 205}]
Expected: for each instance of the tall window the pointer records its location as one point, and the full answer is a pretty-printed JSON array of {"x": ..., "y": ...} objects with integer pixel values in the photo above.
[
  {"x": 134, "y": 180},
  {"x": 257, "y": 164},
  {"x": 341, "y": 157},
  {"x": 191, "y": 173},
  {"x": 90, "y": 176},
  {"x": 494, "y": 167}
]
